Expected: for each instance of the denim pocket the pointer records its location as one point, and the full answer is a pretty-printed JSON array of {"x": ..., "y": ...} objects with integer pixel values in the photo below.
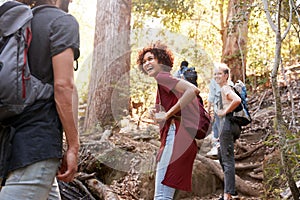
[{"x": 226, "y": 125}]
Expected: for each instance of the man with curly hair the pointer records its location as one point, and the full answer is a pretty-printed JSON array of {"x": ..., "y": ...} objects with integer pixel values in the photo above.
[
  {"x": 37, "y": 157},
  {"x": 178, "y": 148}
]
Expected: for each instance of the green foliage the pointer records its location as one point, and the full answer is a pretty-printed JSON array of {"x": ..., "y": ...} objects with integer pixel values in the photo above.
[
  {"x": 243, "y": 8},
  {"x": 292, "y": 151},
  {"x": 261, "y": 43},
  {"x": 273, "y": 180},
  {"x": 171, "y": 12},
  {"x": 260, "y": 54},
  {"x": 274, "y": 177}
]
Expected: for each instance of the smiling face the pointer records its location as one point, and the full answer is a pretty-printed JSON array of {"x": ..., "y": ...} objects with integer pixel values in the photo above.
[
  {"x": 150, "y": 64},
  {"x": 221, "y": 76}
]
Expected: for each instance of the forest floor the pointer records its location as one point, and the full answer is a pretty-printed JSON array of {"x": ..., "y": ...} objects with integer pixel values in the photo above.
[{"x": 138, "y": 137}]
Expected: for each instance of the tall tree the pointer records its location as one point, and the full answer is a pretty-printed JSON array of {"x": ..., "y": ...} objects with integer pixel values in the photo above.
[
  {"x": 234, "y": 36},
  {"x": 108, "y": 94},
  {"x": 281, "y": 128}
]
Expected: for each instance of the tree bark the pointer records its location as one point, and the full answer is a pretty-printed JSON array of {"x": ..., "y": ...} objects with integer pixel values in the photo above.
[
  {"x": 108, "y": 94},
  {"x": 241, "y": 185},
  {"x": 101, "y": 190},
  {"x": 235, "y": 37}
]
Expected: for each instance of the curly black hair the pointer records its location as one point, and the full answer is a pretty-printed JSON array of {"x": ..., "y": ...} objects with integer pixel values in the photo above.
[{"x": 160, "y": 52}]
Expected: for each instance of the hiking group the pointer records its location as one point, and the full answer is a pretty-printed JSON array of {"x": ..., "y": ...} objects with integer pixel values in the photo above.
[
  {"x": 178, "y": 95},
  {"x": 32, "y": 126}
]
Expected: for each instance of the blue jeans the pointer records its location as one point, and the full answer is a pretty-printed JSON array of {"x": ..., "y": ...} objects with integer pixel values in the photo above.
[
  {"x": 226, "y": 156},
  {"x": 215, "y": 128},
  {"x": 34, "y": 182},
  {"x": 163, "y": 192}
]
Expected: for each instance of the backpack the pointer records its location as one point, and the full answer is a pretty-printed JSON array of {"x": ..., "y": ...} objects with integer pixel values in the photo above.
[
  {"x": 241, "y": 114},
  {"x": 190, "y": 75},
  {"x": 196, "y": 119},
  {"x": 19, "y": 88}
]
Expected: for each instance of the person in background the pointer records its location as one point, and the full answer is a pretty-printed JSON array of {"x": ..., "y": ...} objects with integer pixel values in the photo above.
[
  {"x": 37, "y": 146},
  {"x": 178, "y": 148},
  {"x": 229, "y": 100},
  {"x": 183, "y": 67},
  {"x": 213, "y": 99}
]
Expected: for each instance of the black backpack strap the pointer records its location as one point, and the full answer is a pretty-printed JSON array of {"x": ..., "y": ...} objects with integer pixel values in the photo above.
[
  {"x": 220, "y": 103},
  {"x": 240, "y": 106}
]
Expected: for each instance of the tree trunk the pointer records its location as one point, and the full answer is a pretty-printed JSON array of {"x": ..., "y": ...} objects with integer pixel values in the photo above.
[
  {"x": 235, "y": 37},
  {"x": 280, "y": 125},
  {"x": 108, "y": 94}
]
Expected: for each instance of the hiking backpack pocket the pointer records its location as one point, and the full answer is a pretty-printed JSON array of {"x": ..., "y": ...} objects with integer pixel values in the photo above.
[{"x": 18, "y": 87}]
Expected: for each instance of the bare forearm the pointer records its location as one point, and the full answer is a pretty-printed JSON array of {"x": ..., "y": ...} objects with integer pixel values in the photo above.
[
  {"x": 209, "y": 105},
  {"x": 187, "y": 97},
  {"x": 66, "y": 99},
  {"x": 233, "y": 105}
]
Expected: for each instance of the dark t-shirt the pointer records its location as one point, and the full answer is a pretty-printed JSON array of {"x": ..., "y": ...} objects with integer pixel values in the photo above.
[
  {"x": 49, "y": 38},
  {"x": 38, "y": 130}
]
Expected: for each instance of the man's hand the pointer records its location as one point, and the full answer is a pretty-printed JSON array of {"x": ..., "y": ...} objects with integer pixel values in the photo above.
[{"x": 68, "y": 166}]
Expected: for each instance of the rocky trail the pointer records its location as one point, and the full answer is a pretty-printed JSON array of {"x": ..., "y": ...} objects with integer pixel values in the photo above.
[{"x": 119, "y": 162}]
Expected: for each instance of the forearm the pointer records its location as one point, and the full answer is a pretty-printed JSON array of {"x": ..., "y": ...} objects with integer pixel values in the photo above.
[
  {"x": 233, "y": 105},
  {"x": 186, "y": 98},
  {"x": 66, "y": 99},
  {"x": 209, "y": 105}
]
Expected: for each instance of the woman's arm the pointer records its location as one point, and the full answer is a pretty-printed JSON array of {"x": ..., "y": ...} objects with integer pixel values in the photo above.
[
  {"x": 189, "y": 92},
  {"x": 235, "y": 101}
]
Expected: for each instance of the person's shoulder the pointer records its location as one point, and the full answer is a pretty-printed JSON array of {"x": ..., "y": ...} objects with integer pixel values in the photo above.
[
  {"x": 226, "y": 89},
  {"x": 47, "y": 9},
  {"x": 65, "y": 20},
  {"x": 165, "y": 78},
  {"x": 52, "y": 14},
  {"x": 163, "y": 74}
]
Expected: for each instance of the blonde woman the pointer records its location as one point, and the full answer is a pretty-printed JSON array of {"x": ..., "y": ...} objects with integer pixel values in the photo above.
[{"x": 229, "y": 100}]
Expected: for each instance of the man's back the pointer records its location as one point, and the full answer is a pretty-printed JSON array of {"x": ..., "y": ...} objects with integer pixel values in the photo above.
[
  {"x": 37, "y": 142},
  {"x": 49, "y": 26}
]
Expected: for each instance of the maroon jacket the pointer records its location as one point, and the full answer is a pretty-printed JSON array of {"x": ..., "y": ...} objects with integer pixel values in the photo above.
[{"x": 179, "y": 172}]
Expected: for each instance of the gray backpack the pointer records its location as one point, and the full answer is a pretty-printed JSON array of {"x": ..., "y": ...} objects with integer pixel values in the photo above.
[{"x": 18, "y": 87}]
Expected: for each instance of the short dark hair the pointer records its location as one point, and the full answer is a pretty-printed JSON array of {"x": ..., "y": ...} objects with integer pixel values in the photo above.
[
  {"x": 33, "y": 3},
  {"x": 184, "y": 63}
]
